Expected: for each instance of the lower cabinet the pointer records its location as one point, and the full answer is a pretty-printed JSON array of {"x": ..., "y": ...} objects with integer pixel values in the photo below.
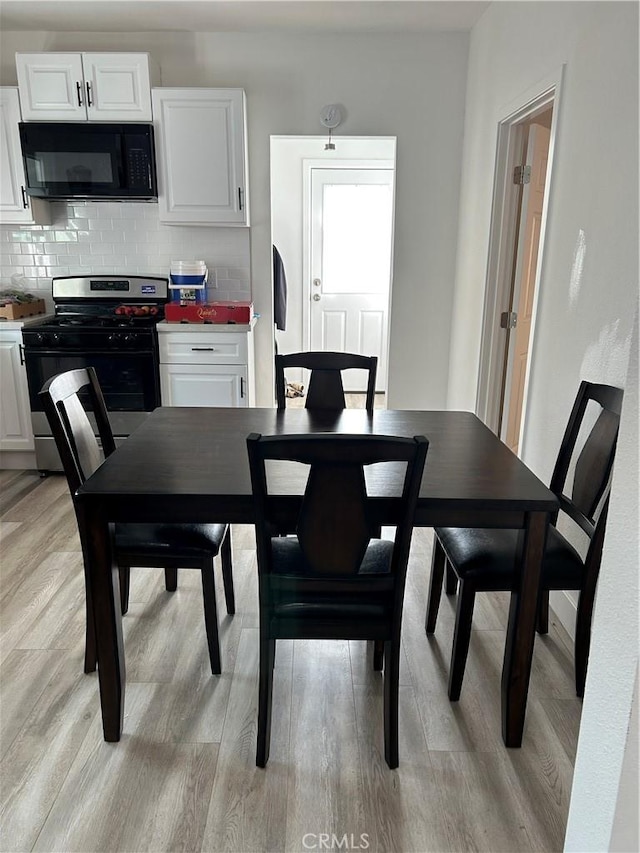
[
  {"x": 206, "y": 366},
  {"x": 15, "y": 415},
  {"x": 203, "y": 385}
]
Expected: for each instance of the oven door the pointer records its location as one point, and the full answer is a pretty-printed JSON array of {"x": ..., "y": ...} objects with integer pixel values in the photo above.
[
  {"x": 130, "y": 383},
  {"x": 129, "y": 380}
]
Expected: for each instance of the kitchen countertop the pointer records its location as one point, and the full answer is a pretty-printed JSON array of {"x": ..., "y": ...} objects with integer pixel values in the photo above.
[
  {"x": 16, "y": 325},
  {"x": 165, "y": 326}
]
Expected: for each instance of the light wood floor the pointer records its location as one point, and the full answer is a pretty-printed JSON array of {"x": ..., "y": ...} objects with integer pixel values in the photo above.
[
  {"x": 183, "y": 777},
  {"x": 353, "y": 401}
]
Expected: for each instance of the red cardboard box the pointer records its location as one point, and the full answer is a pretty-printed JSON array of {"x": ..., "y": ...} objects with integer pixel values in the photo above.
[{"x": 209, "y": 312}]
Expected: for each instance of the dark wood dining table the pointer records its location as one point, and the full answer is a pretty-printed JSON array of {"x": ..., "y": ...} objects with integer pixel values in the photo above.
[{"x": 190, "y": 465}]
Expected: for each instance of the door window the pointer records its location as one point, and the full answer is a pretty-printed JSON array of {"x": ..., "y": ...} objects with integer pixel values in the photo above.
[{"x": 356, "y": 238}]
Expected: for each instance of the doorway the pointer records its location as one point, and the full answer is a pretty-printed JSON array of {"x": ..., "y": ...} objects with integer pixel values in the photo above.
[
  {"x": 351, "y": 212},
  {"x": 532, "y": 176},
  {"x": 300, "y": 164},
  {"x": 521, "y": 190}
]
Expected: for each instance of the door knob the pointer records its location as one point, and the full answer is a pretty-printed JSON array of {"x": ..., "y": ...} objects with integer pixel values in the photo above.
[
  {"x": 316, "y": 297},
  {"x": 316, "y": 282}
]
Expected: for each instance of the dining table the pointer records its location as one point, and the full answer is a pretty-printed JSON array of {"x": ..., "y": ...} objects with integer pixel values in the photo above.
[{"x": 190, "y": 465}]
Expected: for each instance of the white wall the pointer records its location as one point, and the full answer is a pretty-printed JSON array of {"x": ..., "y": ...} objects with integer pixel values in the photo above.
[
  {"x": 625, "y": 834},
  {"x": 601, "y": 768},
  {"x": 588, "y": 297},
  {"x": 408, "y": 86},
  {"x": 584, "y": 319}
]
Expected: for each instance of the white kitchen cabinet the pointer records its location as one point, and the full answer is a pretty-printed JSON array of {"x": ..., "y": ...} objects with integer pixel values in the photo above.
[
  {"x": 15, "y": 415},
  {"x": 85, "y": 86},
  {"x": 206, "y": 365},
  {"x": 202, "y": 385},
  {"x": 15, "y": 205},
  {"x": 201, "y": 156}
]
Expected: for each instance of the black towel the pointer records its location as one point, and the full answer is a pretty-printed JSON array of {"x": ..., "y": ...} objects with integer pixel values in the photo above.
[{"x": 279, "y": 292}]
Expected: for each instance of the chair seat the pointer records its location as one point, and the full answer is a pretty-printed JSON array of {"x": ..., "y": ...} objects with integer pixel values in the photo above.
[
  {"x": 303, "y": 602},
  {"x": 289, "y": 559},
  {"x": 486, "y": 558},
  {"x": 187, "y": 540}
]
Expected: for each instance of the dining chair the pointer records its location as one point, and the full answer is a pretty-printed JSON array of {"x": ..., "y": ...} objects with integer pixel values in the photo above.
[
  {"x": 326, "y": 390},
  {"x": 479, "y": 560},
  {"x": 332, "y": 580},
  {"x": 168, "y": 546}
]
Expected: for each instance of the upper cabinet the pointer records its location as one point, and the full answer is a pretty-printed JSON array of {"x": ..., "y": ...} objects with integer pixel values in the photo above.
[
  {"x": 15, "y": 205},
  {"x": 201, "y": 156},
  {"x": 85, "y": 86}
]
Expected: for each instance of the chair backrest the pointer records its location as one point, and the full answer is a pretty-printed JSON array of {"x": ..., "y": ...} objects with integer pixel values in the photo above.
[
  {"x": 73, "y": 433},
  {"x": 326, "y": 390},
  {"x": 585, "y": 498},
  {"x": 335, "y": 515}
]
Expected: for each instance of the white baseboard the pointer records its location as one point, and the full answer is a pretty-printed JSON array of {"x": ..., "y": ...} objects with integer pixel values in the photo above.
[
  {"x": 12, "y": 460},
  {"x": 565, "y": 609}
]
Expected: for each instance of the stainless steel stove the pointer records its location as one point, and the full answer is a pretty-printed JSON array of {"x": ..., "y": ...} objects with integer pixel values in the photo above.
[{"x": 107, "y": 322}]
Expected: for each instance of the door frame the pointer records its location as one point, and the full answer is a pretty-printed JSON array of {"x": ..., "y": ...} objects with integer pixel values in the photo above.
[
  {"x": 308, "y": 164},
  {"x": 502, "y": 248}
]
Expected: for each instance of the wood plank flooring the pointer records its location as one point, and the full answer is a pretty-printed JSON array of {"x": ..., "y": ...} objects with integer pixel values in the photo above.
[{"x": 183, "y": 777}]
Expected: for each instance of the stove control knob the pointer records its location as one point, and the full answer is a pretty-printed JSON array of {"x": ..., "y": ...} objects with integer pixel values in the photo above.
[
  {"x": 129, "y": 340},
  {"x": 114, "y": 338},
  {"x": 41, "y": 338},
  {"x": 55, "y": 338}
]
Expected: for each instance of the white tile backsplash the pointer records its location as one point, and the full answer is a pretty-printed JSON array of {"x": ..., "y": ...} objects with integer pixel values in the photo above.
[{"x": 125, "y": 238}]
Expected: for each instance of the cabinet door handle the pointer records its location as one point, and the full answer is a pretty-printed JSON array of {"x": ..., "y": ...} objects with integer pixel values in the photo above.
[
  {"x": 203, "y": 349},
  {"x": 89, "y": 100},
  {"x": 240, "y": 205},
  {"x": 21, "y": 351},
  {"x": 242, "y": 386},
  {"x": 79, "y": 92},
  {"x": 25, "y": 200}
]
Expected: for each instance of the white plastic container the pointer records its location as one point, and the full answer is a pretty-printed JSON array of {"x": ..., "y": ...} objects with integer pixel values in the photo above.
[
  {"x": 191, "y": 274},
  {"x": 188, "y": 267}
]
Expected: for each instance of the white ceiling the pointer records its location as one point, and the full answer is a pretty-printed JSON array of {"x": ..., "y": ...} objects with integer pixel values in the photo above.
[{"x": 317, "y": 16}]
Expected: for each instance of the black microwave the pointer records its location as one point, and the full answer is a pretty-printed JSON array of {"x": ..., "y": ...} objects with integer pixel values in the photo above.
[{"x": 89, "y": 161}]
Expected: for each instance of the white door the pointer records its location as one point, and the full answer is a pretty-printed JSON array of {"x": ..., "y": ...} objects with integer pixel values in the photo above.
[
  {"x": 13, "y": 198},
  {"x": 203, "y": 385},
  {"x": 525, "y": 283},
  {"x": 350, "y": 265},
  {"x": 201, "y": 156},
  {"x": 15, "y": 416},
  {"x": 15, "y": 205},
  {"x": 117, "y": 86},
  {"x": 51, "y": 86}
]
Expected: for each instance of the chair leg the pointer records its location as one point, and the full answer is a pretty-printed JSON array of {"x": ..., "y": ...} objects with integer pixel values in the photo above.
[
  {"x": 391, "y": 676},
  {"x": 583, "y": 638},
  {"x": 124, "y": 576},
  {"x": 90, "y": 652},
  {"x": 438, "y": 561},
  {"x": 378, "y": 655},
  {"x": 171, "y": 578},
  {"x": 451, "y": 585},
  {"x": 542, "y": 625},
  {"x": 265, "y": 692},
  {"x": 461, "y": 636},
  {"x": 227, "y": 574},
  {"x": 211, "y": 616}
]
